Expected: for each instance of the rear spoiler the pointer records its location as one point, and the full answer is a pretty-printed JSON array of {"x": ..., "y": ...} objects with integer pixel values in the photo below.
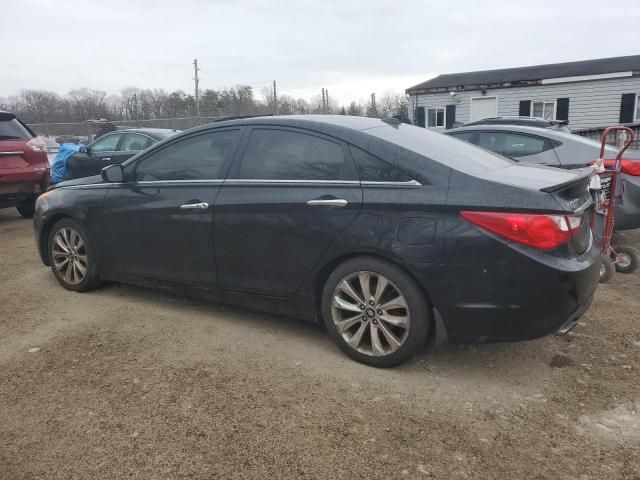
[{"x": 584, "y": 176}]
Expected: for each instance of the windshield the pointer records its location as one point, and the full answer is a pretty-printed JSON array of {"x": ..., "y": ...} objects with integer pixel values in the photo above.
[{"x": 449, "y": 151}]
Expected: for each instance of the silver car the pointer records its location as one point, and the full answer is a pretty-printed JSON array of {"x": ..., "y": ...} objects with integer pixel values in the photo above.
[{"x": 556, "y": 148}]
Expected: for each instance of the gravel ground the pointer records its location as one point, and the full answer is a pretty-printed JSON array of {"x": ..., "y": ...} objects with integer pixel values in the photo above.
[{"x": 132, "y": 383}]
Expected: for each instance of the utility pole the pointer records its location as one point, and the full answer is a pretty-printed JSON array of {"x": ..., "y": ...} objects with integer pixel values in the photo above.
[
  {"x": 326, "y": 110},
  {"x": 275, "y": 99},
  {"x": 374, "y": 108},
  {"x": 196, "y": 81}
]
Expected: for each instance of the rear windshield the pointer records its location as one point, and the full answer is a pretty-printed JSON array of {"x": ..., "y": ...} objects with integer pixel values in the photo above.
[
  {"x": 12, "y": 129},
  {"x": 449, "y": 151}
]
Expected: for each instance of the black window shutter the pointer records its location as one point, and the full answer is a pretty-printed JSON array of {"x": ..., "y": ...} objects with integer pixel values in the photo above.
[
  {"x": 627, "y": 104},
  {"x": 562, "y": 109},
  {"x": 420, "y": 117},
  {"x": 450, "y": 115},
  {"x": 525, "y": 108}
]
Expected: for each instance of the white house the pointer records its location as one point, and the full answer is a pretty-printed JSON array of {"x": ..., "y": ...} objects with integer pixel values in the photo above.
[{"x": 590, "y": 94}]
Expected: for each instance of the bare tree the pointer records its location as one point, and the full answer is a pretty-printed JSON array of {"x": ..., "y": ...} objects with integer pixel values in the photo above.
[{"x": 87, "y": 103}]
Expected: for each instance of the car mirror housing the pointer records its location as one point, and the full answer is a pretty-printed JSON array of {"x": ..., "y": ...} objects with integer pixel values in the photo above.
[
  {"x": 84, "y": 149},
  {"x": 113, "y": 173}
]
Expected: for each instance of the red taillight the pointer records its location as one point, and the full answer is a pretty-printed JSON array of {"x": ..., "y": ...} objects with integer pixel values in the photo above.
[
  {"x": 630, "y": 167},
  {"x": 541, "y": 231},
  {"x": 37, "y": 145}
]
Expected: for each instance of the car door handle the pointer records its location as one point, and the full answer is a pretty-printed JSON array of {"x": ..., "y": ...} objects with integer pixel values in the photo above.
[
  {"x": 329, "y": 202},
  {"x": 106, "y": 159},
  {"x": 194, "y": 206}
]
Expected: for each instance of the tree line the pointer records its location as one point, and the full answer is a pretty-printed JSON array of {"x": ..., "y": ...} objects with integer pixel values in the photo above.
[{"x": 132, "y": 103}]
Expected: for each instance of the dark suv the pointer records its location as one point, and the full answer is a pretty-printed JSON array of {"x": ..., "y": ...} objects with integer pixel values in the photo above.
[{"x": 24, "y": 167}]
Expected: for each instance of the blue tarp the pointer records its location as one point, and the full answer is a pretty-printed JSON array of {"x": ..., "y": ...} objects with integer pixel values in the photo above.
[{"x": 59, "y": 167}]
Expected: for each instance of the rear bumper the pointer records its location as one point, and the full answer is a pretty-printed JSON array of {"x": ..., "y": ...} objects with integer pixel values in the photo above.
[
  {"x": 15, "y": 193},
  {"x": 514, "y": 299}
]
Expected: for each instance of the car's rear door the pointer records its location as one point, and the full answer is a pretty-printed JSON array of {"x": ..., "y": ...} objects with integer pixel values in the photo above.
[
  {"x": 288, "y": 195},
  {"x": 160, "y": 221}
]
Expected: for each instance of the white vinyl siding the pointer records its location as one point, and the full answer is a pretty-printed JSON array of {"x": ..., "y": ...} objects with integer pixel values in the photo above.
[{"x": 592, "y": 104}]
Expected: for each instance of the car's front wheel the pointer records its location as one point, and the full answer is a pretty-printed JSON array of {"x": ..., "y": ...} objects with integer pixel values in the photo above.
[
  {"x": 72, "y": 258},
  {"x": 375, "y": 312}
]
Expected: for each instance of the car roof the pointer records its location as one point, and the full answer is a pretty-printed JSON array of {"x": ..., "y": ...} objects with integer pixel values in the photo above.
[
  {"x": 302, "y": 121},
  {"x": 154, "y": 132}
]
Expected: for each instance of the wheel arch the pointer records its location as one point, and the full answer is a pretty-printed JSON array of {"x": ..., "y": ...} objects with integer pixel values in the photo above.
[{"x": 331, "y": 265}]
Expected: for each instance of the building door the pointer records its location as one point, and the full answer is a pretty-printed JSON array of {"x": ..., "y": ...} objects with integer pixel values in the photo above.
[{"x": 483, "y": 107}]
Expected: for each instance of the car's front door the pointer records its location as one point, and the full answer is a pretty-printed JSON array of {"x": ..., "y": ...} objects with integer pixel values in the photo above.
[
  {"x": 130, "y": 144},
  {"x": 288, "y": 195},
  {"x": 96, "y": 156},
  {"x": 160, "y": 220}
]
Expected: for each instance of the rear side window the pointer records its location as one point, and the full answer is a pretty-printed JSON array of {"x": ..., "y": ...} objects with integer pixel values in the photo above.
[
  {"x": 12, "y": 129},
  {"x": 286, "y": 155},
  {"x": 464, "y": 136},
  {"x": 372, "y": 169},
  {"x": 512, "y": 144},
  {"x": 194, "y": 158},
  {"x": 134, "y": 142}
]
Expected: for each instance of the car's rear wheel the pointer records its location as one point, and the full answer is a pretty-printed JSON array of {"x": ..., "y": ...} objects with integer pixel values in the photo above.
[
  {"x": 72, "y": 257},
  {"x": 27, "y": 209},
  {"x": 375, "y": 312}
]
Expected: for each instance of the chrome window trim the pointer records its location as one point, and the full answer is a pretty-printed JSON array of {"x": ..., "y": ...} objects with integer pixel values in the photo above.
[
  {"x": 408, "y": 183},
  {"x": 17, "y": 152},
  {"x": 238, "y": 181},
  {"x": 252, "y": 181}
]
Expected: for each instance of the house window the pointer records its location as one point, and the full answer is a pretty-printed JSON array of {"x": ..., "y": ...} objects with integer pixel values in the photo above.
[
  {"x": 435, "y": 118},
  {"x": 546, "y": 110}
]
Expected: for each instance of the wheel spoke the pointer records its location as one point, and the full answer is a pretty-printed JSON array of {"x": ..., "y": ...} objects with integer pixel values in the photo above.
[
  {"x": 365, "y": 284},
  {"x": 346, "y": 287},
  {"x": 398, "y": 302},
  {"x": 396, "y": 320},
  {"x": 381, "y": 286},
  {"x": 82, "y": 259},
  {"x": 344, "y": 305},
  {"x": 391, "y": 338},
  {"x": 68, "y": 273},
  {"x": 376, "y": 345},
  {"x": 348, "y": 323},
  {"x": 356, "y": 338},
  {"x": 60, "y": 265},
  {"x": 79, "y": 243},
  {"x": 73, "y": 236},
  {"x": 80, "y": 268},
  {"x": 60, "y": 242}
]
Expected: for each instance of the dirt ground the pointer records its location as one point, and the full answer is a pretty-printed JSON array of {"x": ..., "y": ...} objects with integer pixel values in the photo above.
[{"x": 132, "y": 383}]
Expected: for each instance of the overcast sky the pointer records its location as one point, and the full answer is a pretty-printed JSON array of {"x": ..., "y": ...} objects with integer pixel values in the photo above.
[{"x": 350, "y": 47}]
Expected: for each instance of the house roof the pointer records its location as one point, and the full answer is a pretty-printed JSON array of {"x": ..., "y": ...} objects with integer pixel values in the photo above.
[{"x": 531, "y": 74}]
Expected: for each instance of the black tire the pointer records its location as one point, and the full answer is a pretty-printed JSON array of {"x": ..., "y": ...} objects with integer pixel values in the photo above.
[
  {"x": 627, "y": 261},
  {"x": 91, "y": 280},
  {"x": 607, "y": 269},
  {"x": 27, "y": 209},
  {"x": 419, "y": 311}
]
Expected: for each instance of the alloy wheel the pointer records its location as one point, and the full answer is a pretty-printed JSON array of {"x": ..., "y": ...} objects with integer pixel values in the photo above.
[
  {"x": 69, "y": 255},
  {"x": 370, "y": 313}
]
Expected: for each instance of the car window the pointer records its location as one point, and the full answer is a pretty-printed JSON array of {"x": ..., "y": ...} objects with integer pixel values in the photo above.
[
  {"x": 464, "y": 136},
  {"x": 12, "y": 129},
  {"x": 285, "y": 155},
  {"x": 106, "y": 144},
  {"x": 133, "y": 142},
  {"x": 372, "y": 169},
  {"x": 193, "y": 158},
  {"x": 511, "y": 144}
]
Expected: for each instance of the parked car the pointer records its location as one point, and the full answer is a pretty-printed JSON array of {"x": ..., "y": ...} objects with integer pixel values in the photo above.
[
  {"x": 524, "y": 121},
  {"x": 113, "y": 147},
  {"x": 24, "y": 168},
  {"x": 385, "y": 231},
  {"x": 559, "y": 149}
]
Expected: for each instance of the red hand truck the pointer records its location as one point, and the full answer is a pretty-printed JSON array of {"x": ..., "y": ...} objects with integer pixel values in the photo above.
[{"x": 606, "y": 199}]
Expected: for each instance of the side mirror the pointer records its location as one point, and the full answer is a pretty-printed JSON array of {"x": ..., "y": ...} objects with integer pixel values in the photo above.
[
  {"x": 113, "y": 173},
  {"x": 84, "y": 149}
]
